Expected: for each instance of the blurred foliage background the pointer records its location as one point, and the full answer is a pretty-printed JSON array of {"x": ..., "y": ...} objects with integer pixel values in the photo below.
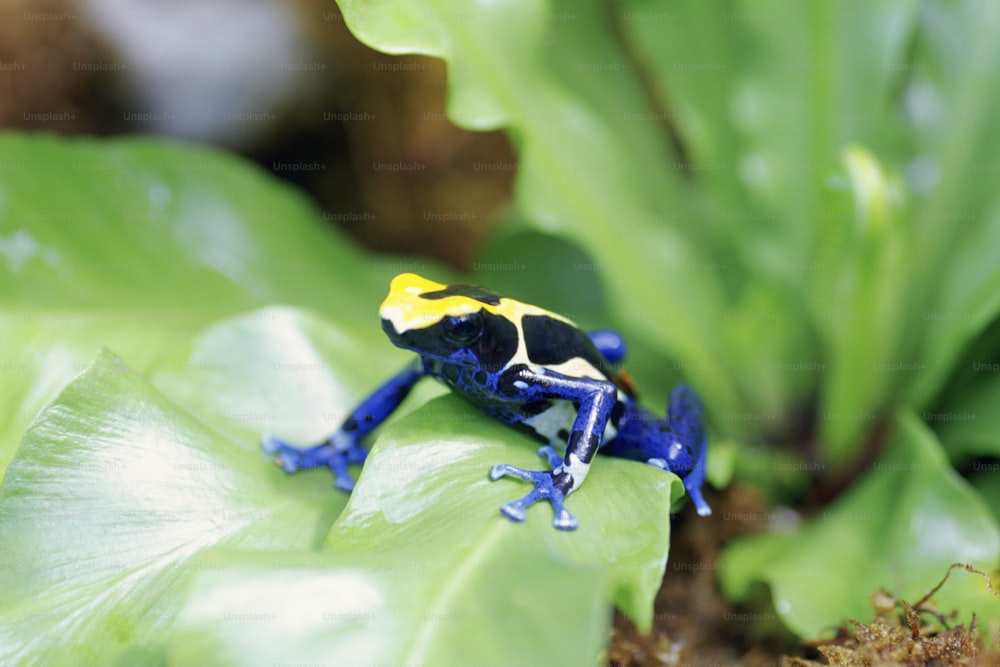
[{"x": 793, "y": 207}]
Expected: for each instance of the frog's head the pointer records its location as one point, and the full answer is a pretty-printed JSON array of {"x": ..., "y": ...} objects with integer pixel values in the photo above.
[{"x": 460, "y": 324}]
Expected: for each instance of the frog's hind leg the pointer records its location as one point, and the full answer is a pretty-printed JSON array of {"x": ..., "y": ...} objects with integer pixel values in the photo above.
[
  {"x": 684, "y": 403},
  {"x": 684, "y": 412},
  {"x": 695, "y": 479},
  {"x": 677, "y": 444}
]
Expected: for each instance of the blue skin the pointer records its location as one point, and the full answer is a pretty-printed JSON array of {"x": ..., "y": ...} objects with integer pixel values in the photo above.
[{"x": 676, "y": 444}]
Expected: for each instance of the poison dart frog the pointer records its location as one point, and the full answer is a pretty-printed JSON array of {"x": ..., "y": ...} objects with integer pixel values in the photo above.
[{"x": 529, "y": 368}]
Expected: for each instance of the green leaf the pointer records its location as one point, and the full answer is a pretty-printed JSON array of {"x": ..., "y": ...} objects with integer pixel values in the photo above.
[
  {"x": 899, "y": 529},
  {"x": 859, "y": 307},
  {"x": 267, "y": 609},
  {"x": 812, "y": 79},
  {"x": 164, "y": 226},
  {"x": 139, "y": 470},
  {"x": 683, "y": 57},
  {"x": 425, "y": 492},
  {"x": 136, "y": 244},
  {"x": 969, "y": 423},
  {"x": 967, "y": 302},
  {"x": 41, "y": 350},
  {"x": 951, "y": 100},
  {"x": 113, "y": 492}
]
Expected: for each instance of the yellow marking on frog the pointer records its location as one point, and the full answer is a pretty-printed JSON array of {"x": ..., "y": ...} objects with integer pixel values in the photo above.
[{"x": 405, "y": 308}]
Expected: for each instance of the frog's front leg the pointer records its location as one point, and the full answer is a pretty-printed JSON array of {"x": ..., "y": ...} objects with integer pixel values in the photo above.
[
  {"x": 343, "y": 447},
  {"x": 596, "y": 398}
]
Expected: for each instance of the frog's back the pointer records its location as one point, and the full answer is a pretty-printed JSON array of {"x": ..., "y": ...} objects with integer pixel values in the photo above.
[{"x": 562, "y": 347}]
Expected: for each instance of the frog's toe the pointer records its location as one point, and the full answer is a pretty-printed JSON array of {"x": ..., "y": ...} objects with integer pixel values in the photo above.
[
  {"x": 694, "y": 492},
  {"x": 504, "y": 469},
  {"x": 272, "y": 444},
  {"x": 516, "y": 510},
  {"x": 343, "y": 481},
  {"x": 564, "y": 519},
  {"x": 658, "y": 463},
  {"x": 692, "y": 484},
  {"x": 546, "y": 452},
  {"x": 355, "y": 453},
  {"x": 549, "y": 453},
  {"x": 292, "y": 458},
  {"x": 339, "y": 459}
]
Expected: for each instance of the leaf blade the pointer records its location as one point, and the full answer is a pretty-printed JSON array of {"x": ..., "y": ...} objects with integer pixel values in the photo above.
[
  {"x": 113, "y": 492},
  {"x": 439, "y": 501}
]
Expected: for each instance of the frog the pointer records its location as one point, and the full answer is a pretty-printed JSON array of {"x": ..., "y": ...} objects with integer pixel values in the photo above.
[{"x": 532, "y": 369}]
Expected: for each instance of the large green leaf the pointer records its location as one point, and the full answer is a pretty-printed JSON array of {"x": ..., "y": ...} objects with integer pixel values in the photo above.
[
  {"x": 140, "y": 222},
  {"x": 899, "y": 529},
  {"x": 425, "y": 493},
  {"x": 150, "y": 485},
  {"x": 114, "y": 490},
  {"x": 267, "y": 609},
  {"x": 137, "y": 244},
  {"x": 42, "y": 350}
]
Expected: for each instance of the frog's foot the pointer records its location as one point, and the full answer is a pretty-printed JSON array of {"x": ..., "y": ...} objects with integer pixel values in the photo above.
[
  {"x": 547, "y": 487},
  {"x": 292, "y": 458},
  {"x": 692, "y": 484}
]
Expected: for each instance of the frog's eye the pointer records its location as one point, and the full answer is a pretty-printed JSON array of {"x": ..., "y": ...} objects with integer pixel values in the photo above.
[{"x": 463, "y": 329}]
